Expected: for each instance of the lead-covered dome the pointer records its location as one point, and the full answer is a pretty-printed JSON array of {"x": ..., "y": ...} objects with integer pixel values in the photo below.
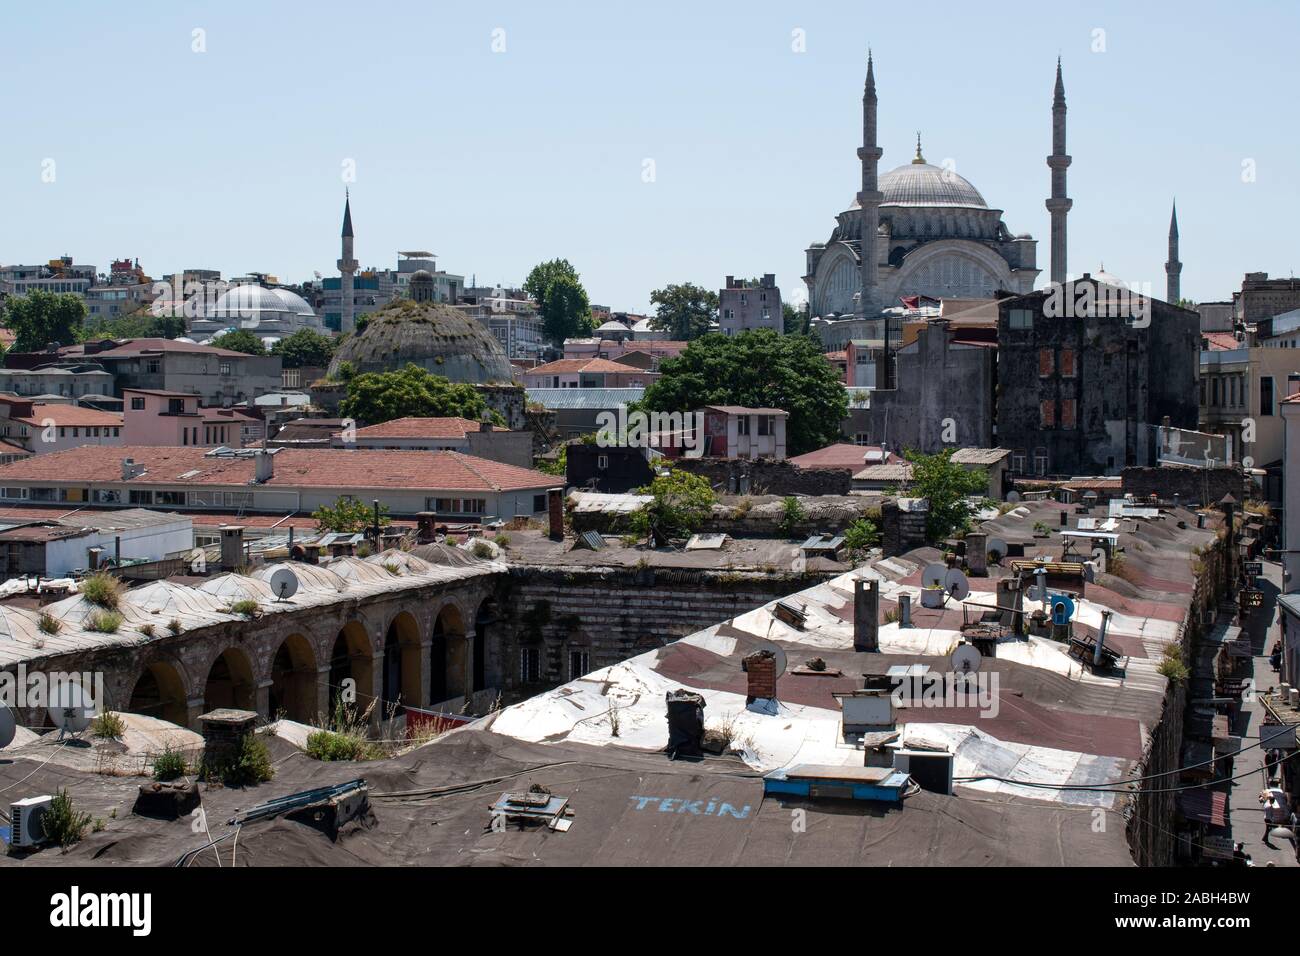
[{"x": 920, "y": 184}]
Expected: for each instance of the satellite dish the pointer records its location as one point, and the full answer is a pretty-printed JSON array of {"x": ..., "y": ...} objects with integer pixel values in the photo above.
[
  {"x": 996, "y": 546},
  {"x": 933, "y": 576},
  {"x": 965, "y": 659},
  {"x": 763, "y": 645},
  {"x": 1062, "y": 609},
  {"x": 70, "y": 708},
  {"x": 8, "y": 727},
  {"x": 955, "y": 583},
  {"x": 1013, "y": 497},
  {"x": 284, "y": 583}
]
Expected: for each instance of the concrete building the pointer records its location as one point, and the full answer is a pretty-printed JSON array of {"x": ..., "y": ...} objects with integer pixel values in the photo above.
[
  {"x": 1241, "y": 391},
  {"x": 1085, "y": 368},
  {"x": 67, "y": 380},
  {"x": 942, "y": 394},
  {"x": 733, "y": 431},
  {"x": 175, "y": 418},
  {"x": 479, "y": 439},
  {"x": 579, "y": 410},
  {"x": 587, "y": 373},
  {"x": 57, "y": 275},
  {"x": 280, "y": 480},
  {"x": 1260, "y": 298},
  {"x": 744, "y": 305},
  {"x": 45, "y": 428},
  {"x": 509, "y": 315},
  {"x": 59, "y": 546},
  {"x": 1290, "y": 411}
]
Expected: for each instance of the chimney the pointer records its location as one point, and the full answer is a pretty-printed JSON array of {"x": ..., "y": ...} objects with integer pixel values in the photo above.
[
  {"x": 1101, "y": 638},
  {"x": 866, "y": 624},
  {"x": 265, "y": 462},
  {"x": 555, "y": 512},
  {"x": 232, "y": 547},
  {"x": 977, "y": 553},
  {"x": 905, "y": 610},
  {"x": 485, "y": 423},
  {"x": 761, "y": 670},
  {"x": 311, "y": 554},
  {"x": 92, "y": 558},
  {"x": 424, "y": 524},
  {"x": 130, "y": 469}
]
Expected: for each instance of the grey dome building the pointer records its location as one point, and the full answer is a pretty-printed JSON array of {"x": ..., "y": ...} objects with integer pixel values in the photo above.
[{"x": 434, "y": 336}]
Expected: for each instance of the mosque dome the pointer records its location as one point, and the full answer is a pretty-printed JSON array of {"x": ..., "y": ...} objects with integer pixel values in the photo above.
[
  {"x": 435, "y": 336},
  {"x": 920, "y": 184},
  {"x": 249, "y": 300}
]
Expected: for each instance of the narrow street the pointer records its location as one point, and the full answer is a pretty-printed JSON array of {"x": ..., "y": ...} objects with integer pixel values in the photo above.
[{"x": 1247, "y": 816}]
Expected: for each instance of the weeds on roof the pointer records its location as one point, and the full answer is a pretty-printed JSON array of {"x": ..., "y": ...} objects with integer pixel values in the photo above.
[
  {"x": 246, "y": 607},
  {"x": 175, "y": 626},
  {"x": 170, "y": 765},
  {"x": 108, "y": 726},
  {"x": 105, "y": 622},
  {"x": 49, "y": 624},
  {"x": 251, "y": 765},
  {"x": 103, "y": 589},
  {"x": 62, "y": 823}
]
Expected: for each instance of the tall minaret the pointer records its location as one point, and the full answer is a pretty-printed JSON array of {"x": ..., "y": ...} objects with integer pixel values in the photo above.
[
  {"x": 870, "y": 196},
  {"x": 347, "y": 267},
  {"x": 1058, "y": 162},
  {"x": 1173, "y": 268}
]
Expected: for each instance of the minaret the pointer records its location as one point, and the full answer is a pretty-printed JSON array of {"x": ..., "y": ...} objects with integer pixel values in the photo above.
[
  {"x": 870, "y": 196},
  {"x": 347, "y": 268},
  {"x": 1058, "y": 162},
  {"x": 1173, "y": 268}
]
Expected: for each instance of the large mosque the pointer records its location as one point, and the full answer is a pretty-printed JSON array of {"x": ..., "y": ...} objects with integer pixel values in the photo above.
[{"x": 924, "y": 230}]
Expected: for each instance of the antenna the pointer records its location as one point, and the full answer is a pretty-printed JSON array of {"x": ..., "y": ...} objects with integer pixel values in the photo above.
[
  {"x": 284, "y": 583},
  {"x": 70, "y": 708}
]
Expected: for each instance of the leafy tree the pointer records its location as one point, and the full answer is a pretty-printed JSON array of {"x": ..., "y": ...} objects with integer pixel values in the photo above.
[
  {"x": 305, "y": 348},
  {"x": 682, "y": 501},
  {"x": 861, "y": 536},
  {"x": 561, "y": 300},
  {"x": 757, "y": 369},
  {"x": 792, "y": 512},
  {"x": 948, "y": 487},
  {"x": 349, "y": 515},
  {"x": 559, "y": 466},
  {"x": 240, "y": 340},
  {"x": 684, "y": 311},
  {"x": 411, "y": 392},
  {"x": 795, "y": 320},
  {"x": 140, "y": 324},
  {"x": 41, "y": 317}
]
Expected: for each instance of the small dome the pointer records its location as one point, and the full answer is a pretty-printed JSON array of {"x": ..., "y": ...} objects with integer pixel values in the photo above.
[{"x": 249, "y": 301}]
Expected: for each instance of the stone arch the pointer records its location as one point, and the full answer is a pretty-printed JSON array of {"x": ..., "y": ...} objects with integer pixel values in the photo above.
[
  {"x": 230, "y": 682},
  {"x": 293, "y": 680},
  {"x": 953, "y": 267},
  {"x": 160, "y": 691},
  {"x": 352, "y": 657},
  {"x": 838, "y": 278},
  {"x": 487, "y": 621},
  {"x": 447, "y": 654},
  {"x": 401, "y": 673}
]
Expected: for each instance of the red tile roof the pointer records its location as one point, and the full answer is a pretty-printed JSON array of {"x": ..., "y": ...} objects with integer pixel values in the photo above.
[
  {"x": 423, "y": 428},
  {"x": 293, "y": 468},
  {"x": 128, "y": 347},
  {"x": 1221, "y": 341},
  {"x": 841, "y": 455},
  {"x": 69, "y": 415},
  {"x": 570, "y": 366}
]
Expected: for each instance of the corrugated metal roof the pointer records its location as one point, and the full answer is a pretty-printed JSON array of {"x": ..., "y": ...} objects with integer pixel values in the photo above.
[{"x": 595, "y": 398}]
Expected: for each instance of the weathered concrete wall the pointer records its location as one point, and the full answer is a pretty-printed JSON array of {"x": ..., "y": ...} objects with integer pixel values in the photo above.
[
  {"x": 766, "y": 476},
  {"x": 746, "y": 516},
  {"x": 1203, "y": 486}
]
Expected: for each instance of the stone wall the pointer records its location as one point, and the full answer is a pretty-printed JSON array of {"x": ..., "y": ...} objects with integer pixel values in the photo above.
[
  {"x": 766, "y": 476},
  {"x": 901, "y": 531},
  {"x": 761, "y": 516},
  {"x": 1201, "y": 486},
  {"x": 612, "y": 614}
]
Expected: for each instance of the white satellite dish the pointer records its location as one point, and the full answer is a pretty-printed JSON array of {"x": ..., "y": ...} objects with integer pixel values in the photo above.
[
  {"x": 933, "y": 576},
  {"x": 955, "y": 583},
  {"x": 965, "y": 659},
  {"x": 1013, "y": 497},
  {"x": 70, "y": 708},
  {"x": 284, "y": 583},
  {"x": 8, "y": 727}
]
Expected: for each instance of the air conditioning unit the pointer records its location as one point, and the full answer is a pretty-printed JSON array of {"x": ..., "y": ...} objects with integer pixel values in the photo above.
[{"x": 28, "y": 829}]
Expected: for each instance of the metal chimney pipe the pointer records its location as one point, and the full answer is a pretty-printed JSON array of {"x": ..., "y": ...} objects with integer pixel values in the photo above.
[
  {"x": 1101, "y": 638},
  {"x": 905, "y": 610}
]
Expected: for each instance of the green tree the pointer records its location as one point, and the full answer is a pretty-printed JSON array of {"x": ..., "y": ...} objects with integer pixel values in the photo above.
[
  {"x": 684, "y": 311},
  {"x": 349, "y": 515},
  {"x": 757, "y": 369},
  {"x": 948, "y": 487},
  {"x": 41, "y": 318},
  {"x": 795, "y": 320},
  {"x": 861, "y": 536},
  {"x": 682, "y": 501},
  {"x": 305, "y": 348},
  {"x": 561, "y": 300},
  {"x": 240, "y": 340},
  {"x": 411, "y": 392},
  {"x": 140, "y": 324}
]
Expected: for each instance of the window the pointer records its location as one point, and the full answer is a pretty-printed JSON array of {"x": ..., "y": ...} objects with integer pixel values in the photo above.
[
  {"x": 579, "y": 663},
  {"x": 1067, "y": 413},
  {"x": 767, "y": 425},
  {"x": 539, "y": 503},
  {"x": 1040, "y": 460},
  {"x": 460, "y": 506},
  {"x": 1266, "y": 394},
  {"x": 152, "y": 367},
  {"x": 742, "y": 425},
  {"x": 602, "y": 462},
  {"x": 530, "y": 665},
  {"x": 15, "y": 493},
  {"x": 108, "y": 496},
  {"x": 177, "y": 498},
  {"x": 1067, "y": 363},
  {"x": 1020, "y": 319},
  {"x": 862, "y": 438},
  {"x": 137, "y": 403},
  {"x": 1018, "y": 461},
  {"x": 1047, "y": 413},
  {"x": 141, "y": 497},
  {"x": 224, "y": 368},
  {"x": 1046, "y": 362},
  {"x": 44, "y": 494}
]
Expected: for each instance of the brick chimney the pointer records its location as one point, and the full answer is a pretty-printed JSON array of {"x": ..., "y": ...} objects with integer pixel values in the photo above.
[
  {"x": 866, "y": 621},
  {"x": 425, "y": 522},
  {"x": 555, "y": 513},
  {"x": 232, "y": 547},
  {"x": 761, "y": 669},
  {"x": 977, "y": 554}
]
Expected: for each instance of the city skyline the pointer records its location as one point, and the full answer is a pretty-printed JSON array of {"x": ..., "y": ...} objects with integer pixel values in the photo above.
[{"x": 752, "y": 143}]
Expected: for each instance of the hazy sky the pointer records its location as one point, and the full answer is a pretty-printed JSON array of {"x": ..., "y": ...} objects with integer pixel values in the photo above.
[{"x": 233, "y": 158}]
